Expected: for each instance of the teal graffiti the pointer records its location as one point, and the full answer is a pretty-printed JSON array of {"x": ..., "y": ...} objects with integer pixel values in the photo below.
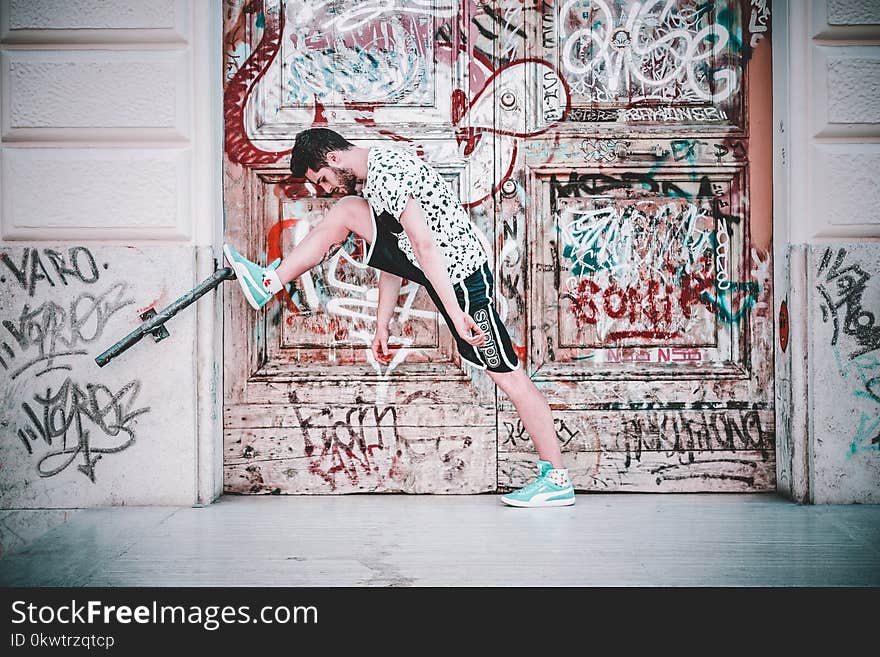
[
  {"x": 867, "y": 435},
  {"x": 608, "y": 238},
  {"x": 728, "y": 20},
  {"x": 723, "y": 303},
  {"x": 841, "y": 298},
  {"x": 385, "y": 69}
]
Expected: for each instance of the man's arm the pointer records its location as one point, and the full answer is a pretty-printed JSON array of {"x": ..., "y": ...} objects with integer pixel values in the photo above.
[
  {"x": 389, "y": 292},
  {"x": 433, "y": 263}
]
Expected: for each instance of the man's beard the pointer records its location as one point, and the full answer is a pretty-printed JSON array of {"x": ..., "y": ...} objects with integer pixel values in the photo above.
[{"x": 347, "y": 180}]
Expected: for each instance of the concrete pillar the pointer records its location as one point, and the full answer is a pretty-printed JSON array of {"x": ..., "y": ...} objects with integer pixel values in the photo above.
[
  {"x": 111, "y": 135},
  {"x": 827, "y": 236}
]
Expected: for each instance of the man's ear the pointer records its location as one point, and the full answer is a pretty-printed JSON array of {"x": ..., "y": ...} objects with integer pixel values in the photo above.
[{"x": 333, "y": 157}]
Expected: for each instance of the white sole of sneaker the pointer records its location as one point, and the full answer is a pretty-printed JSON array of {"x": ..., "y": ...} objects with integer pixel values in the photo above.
[
  {"x": 242, "y": 274},
  {"x": 534, "y": 505}
]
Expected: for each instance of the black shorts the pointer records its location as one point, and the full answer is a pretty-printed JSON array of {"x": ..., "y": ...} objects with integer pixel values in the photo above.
[{"x": 474, "y": 295}]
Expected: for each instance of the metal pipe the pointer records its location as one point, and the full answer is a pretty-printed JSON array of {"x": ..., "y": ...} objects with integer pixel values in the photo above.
[{"x": 155, "y": 323}]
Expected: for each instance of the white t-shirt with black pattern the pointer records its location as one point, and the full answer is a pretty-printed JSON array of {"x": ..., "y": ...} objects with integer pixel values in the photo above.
[{"x": 393, "y": 175}]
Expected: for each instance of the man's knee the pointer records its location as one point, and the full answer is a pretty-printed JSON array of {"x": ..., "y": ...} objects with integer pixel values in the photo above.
[
  {"x": 514, "y": 383},
  {"x": 353, "y": 212}
]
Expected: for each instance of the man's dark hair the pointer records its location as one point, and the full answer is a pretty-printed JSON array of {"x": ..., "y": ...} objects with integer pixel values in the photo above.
[{"x": 311, "y": 147}]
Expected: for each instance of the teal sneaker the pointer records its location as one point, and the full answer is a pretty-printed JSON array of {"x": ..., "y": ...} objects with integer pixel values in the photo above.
[
  {"x": 255, "y": 284},
  {"x": 542, "y": 491}
]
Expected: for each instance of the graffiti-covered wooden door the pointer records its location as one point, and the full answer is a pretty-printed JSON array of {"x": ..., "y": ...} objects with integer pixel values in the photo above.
[
  {"x": 307, "y": 407},
  {"x": 615, "y": 156},
  {"x": 636, "y": 229}
]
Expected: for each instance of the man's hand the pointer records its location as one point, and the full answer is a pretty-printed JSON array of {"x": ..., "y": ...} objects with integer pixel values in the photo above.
[
  {"x": 464, "y": 324},
  {"x": 380, "y": 346}
]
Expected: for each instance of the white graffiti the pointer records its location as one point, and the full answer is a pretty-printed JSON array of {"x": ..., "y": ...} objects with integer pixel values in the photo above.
[
  {"x": 356, "y": 300},
  {"x": 657, "y": 50},
  {"x": 600, "y": 150},
  {"x": 510, "y": 123},
  {"x": 510, "y": 41},
  {"x": 758, "y": 21},
  {"x": 721, "y": 255},
  {"x": 389, "y": 64},
  {"x": 597, "y": 150},
  {"x": 361, "y": 302},
  {"x": 630, "y": 240},
  {"x": 364, "y": 11},
  {"x": 673, "y": 114}
]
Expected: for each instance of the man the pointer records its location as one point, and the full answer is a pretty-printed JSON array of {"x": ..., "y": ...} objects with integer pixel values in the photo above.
[{"x": 416, "y": 229}]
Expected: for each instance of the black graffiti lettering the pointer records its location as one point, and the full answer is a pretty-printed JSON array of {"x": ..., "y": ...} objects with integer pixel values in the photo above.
[
  {"x": 75, "y": 254},
  {"x": 548, "y": 24},
  {"x": 517, "y": 432},
  {"x": 685, "y": 148},
  {"x": 590, "y": 114},
  {"x": 19, "y": 270},
  {"x": 849, "y": 285},
  {"x": 514, "y": 432},
  {"x": 685, "y": 433},
  {"x": 842, "y": 293},
  {"x": 563, "y": 433},
  {"x": 552, "y": 111},
  {"x": 36, "y": 261},
  {"x": 61, "y": 267},
  {"x": 79, "y": 263},
  {"x": 61, "y": 416},
  {"x": 738, "y": 148},
  {"x": 305, "y": 425},
  {"x": 590, "y": 184},
  {"x": 55, "y": 332},
  {"x": 511, "y": 228},
  {"x": 348, "y": 443}
]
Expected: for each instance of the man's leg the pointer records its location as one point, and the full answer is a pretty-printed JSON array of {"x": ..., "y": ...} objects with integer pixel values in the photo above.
[
  {"x": 533, "y": 410},
  {"x": 260, "y": 284},
  {"x": 350, "y": 214}
]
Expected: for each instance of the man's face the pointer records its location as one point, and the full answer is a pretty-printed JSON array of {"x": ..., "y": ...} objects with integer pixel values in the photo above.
[{"x": 333, "y": 180}]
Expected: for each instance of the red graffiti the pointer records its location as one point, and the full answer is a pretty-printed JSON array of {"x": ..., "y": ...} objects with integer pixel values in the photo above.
[
  {"x": 320, "y": 112},
  {"x": 656, "y": 355},
  {"x": 618, "y": 303},
  {"x": 239, "y": 148},
  {"x": 274, "y": 251},
  {"x": 692, "y": 286},
  {"x": 459, "y": 105},
  {"x": 367, "y": 119},
  {"x": 645, "y": 335},
  {"x": 471, "y": 135},
  {"x": 346, "y": 461},
  {"x": 489, "y": 88}
]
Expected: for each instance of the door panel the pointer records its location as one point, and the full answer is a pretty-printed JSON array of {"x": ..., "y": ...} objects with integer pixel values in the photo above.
[
  {"x": 611, "y": 154},
  {"x": 629, "y": 263},
  {"x": 363, "y": 66},
  {"x": 653, "y": 64}
]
